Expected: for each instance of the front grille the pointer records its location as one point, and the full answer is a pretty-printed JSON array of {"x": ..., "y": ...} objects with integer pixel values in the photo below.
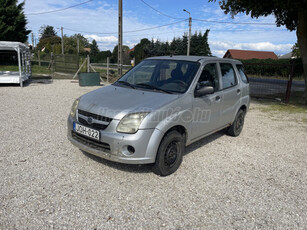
[
  {"x": 104, "y": 147},
  {"x": 95, "y": 116},
  {"x": 93, "y": 125}
]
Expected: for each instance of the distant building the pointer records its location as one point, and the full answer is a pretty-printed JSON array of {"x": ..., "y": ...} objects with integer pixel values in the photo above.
[
  {"x": 286, "y": 56},
  {"x": 249, "y": 54},
  {"x": 131, "y": 50},
  {"x": 87, "y": 50}
]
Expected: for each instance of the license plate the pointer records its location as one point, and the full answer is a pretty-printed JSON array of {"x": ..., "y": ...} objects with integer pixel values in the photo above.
[{"x": 91, "y": 133}]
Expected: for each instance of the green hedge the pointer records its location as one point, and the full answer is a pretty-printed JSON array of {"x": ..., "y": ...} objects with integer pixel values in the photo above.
[{"x": 270, "y": 69}]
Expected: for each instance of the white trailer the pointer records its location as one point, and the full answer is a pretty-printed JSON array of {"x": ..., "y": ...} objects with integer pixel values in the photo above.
[{"x": 24, "y": 63}]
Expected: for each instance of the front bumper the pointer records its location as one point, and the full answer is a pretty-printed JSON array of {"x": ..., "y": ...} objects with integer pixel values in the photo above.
[{"x": 145, "y": 142}]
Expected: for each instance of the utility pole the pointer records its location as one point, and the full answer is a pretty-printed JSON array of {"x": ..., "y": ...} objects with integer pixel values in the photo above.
[
  {"x": 120, "y": 37},
  {"x": 189, "y": 38},
  {"x": 62, "y": 40},
  {"x": 32, "y": 41}
]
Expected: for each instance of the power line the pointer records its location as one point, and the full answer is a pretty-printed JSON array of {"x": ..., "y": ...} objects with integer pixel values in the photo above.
[
  {"x": 52, "y": 11},
  {"x": 159, "y": 12},
  {"x": 236, "y": 23},
  {"x": 211, "y": 21},
  {"x": 130, "y": 31}
]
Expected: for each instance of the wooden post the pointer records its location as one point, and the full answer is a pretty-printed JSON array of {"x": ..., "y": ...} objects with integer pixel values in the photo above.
[
  {"x": 88, "y": 63},
  {"x": 62, "y": 40},
  {"x": 39, "y": 58},
  {"x": 78, "y": 46},
  {"x": 289, "y": 85}
]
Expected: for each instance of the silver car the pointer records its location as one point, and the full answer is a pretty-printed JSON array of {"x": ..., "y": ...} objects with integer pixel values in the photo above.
[{"x": 160, "y": 106}]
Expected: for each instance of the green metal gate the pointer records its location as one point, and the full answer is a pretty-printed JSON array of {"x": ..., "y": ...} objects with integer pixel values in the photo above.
[{"x": 66, "y": 63}]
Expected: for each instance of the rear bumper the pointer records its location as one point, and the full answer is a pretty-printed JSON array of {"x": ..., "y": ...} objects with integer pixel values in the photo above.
[{"x": 145, "y": 143}]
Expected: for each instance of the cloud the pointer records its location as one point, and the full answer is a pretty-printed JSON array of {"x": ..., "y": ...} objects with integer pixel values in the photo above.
[
  {"x": 98, "y": 20},
  {"x": 219, "y": 48},
  {"x": 108, "y": 39}
]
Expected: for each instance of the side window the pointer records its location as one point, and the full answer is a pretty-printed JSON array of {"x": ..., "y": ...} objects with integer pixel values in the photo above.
[
  {"x": 242, "y": 73},
  {"x": 228, "y": 75},
  {"x": 209, "y": 77}
]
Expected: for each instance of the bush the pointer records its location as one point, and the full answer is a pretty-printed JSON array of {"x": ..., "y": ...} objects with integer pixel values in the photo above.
[{"x": 273, "y": 68}]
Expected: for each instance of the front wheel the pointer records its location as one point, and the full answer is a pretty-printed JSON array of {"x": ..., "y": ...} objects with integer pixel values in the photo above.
[
  {"x": 169, "y": 155},
  {"x": 237, "y": 126}
]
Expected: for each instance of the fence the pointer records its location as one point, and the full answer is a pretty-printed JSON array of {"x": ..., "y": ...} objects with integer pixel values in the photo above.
[
  {"x": 109, "y": 71},
  {"x": 66, "y": 63},
  {"x": 275, "y": 86}
]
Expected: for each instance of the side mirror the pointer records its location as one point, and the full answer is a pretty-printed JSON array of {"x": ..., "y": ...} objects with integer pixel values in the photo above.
[{"x": 204, "y": 91}]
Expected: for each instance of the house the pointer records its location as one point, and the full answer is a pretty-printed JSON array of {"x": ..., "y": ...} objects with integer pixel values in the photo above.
[
  {"x": 87, "y": 50},
  {"x": 286, "y": 56},
  {"x": 249, "y": 54},
  {"x": 131, "y": 50}
]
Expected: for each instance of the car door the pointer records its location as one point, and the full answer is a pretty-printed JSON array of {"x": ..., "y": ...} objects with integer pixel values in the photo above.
[
  {"x": 231, "y": 93},
  {"x": 206, "y": 109}
]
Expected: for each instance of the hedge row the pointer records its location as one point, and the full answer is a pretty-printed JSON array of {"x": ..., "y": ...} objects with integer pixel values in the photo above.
[{"x": 273, "y": 68}]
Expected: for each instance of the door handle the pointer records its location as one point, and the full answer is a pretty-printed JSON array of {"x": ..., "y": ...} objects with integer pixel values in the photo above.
[
  {"x": 238, "y": 91},
  {"x": 217, "y": 98}
]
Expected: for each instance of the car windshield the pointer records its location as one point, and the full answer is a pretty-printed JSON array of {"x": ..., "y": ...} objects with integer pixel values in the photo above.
[{"x": 167, "y": 76}]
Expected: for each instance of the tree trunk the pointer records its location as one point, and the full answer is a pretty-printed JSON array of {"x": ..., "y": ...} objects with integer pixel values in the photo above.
[{"x": 301, "y": 33}]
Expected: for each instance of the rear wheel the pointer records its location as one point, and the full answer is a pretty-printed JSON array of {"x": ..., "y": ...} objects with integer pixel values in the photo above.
[
  {"x": 237, "y": 126},
  {"x": 169, "y": 155}
]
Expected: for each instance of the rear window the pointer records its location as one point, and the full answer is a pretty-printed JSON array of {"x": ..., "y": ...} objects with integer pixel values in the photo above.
[{"x": 242, "y": 73}]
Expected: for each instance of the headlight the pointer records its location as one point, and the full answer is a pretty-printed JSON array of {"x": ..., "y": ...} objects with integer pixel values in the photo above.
[
  {"x": 74, "y": 108},
  {"x": 131, "y": 123}
]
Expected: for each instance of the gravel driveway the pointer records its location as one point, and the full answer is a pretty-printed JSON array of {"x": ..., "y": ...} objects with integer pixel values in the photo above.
[{"x": 257, "y": 180}]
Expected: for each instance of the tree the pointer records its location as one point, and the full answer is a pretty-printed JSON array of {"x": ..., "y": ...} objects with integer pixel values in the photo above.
[
  {"x": 94, "y": 48},
  {"x": 83, "y": 43},
  {"x": 292, "y": 14},
  {"x": 13, "y": 21},
  {"x": 296, "y": 51},
  {"x": 199, "y": 44},
  {"x": 139, "y": 50},
  {"x": 49, "y": 43},
  {"x": 47, "y": 32},
  {"x": 125, "y": 55}
]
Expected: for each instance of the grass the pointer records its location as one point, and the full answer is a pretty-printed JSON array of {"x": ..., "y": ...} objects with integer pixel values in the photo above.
[
  {"x": 36, "y": 70},
  {"x": 295, "y": 105}
]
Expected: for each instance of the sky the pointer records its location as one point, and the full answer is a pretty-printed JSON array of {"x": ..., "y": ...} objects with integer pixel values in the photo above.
[{"x": 99, "y": 20}]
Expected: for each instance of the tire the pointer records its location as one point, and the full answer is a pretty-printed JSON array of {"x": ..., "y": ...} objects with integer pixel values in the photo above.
[
  {"x": 237, "y": 126},
  {"x": 169, "y": 155}
]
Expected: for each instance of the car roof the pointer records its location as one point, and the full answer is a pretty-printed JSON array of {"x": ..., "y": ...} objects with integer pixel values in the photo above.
[{"x": 194, "y": 58}]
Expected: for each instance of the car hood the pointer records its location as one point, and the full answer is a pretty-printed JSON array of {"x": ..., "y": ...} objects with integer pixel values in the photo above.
[{"x": 115, "y": 102}]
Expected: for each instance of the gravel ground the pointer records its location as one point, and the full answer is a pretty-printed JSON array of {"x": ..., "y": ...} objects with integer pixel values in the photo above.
[{"x": 257, "y": 180}]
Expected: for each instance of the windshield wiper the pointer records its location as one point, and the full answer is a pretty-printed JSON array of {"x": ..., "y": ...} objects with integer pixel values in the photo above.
[
  {"x": 126, "y": 83},
  {"x": 154, "y": 87}
]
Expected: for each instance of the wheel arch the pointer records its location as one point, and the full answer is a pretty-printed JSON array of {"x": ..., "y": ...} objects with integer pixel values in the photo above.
[{"x": 179, "y": 128}]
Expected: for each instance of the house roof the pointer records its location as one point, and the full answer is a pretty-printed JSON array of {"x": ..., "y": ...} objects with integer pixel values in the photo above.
[
  {"x": 87, "y": 50},
  {"x": 249, "y": 54},
  {"x": 286, "y": 56}
]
